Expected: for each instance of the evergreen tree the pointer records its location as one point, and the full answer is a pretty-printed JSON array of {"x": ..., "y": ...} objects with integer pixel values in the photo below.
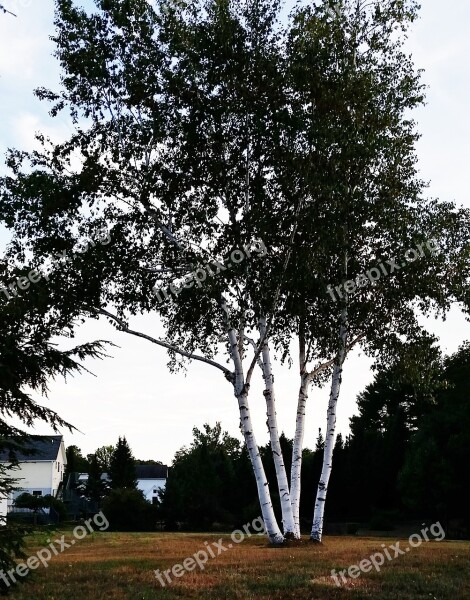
[
  {"x": 96, "y": 486},
  {"x": 76, "y": 463},
  {"x": 28, "y": 361},
  {"x": 122, "y": 467},
  {"x": 434, "y": 476},
  {"x": 320, "y": 443},
  {"x": 390, "y": 409}
]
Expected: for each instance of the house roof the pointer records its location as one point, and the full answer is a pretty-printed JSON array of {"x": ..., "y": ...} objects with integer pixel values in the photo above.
[
  {"x": 151, "y": 471},
  {"x": 37, "y": 448}
]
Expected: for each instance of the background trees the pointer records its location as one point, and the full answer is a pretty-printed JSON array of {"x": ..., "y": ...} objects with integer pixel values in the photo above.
[
  {"x": 202, "y": 487},
  {"x": 96, "y": 486},
  {"x": 112, "y": 486},
  {"x": 76, "y": 463},
  {"x": 432, "y": 475},
  {"x": 124, "y": 504},
  {"x": 38, "y": 503},
  {"x": 103, "y": 455},
  {"x": 122, "y": 467}
]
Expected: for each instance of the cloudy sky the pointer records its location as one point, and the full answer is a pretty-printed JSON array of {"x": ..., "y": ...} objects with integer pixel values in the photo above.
[{"x": 133, "y": 394}]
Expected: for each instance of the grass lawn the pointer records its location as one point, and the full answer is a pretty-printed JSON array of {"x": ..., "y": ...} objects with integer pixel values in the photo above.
[{"x": 120, "y": 566}]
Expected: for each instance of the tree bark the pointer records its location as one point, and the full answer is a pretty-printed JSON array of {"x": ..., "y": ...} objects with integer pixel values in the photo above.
[
  {"x": 281, "y": 475},
  {"x": 241, "y": 389},
  {"x": 296, "y": 470},
  {"x": 318, "y": 516},
  {"x": 297, "y": 448},
  {"x": 275, "y": 535}
]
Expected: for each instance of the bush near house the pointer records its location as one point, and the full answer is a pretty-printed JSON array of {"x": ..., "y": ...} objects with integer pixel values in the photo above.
[
  {"x": 36, "y": 503},
  {"x": 127, "y": 510}
]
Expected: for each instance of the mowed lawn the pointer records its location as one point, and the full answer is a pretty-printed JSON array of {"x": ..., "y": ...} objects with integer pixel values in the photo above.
[{"x": 120, "y": 566}]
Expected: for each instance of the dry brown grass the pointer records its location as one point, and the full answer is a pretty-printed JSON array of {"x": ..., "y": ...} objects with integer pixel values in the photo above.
[{"x": 120, "y": 566}]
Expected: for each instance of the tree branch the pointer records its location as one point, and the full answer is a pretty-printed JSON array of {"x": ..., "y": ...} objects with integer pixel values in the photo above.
[
  {"x": 6, "y": 11},
  {"x": 264, "y": 337},
  {"x": 331, "y": 362},
  {"x": 124, "y": 327}
]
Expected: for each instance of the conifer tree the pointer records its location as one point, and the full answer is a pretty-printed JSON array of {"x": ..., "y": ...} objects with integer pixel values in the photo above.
[
  {"x": 96, "y": 486},
  {"x": 28, "y": 361},
  {"x": 122, "y": 467}
]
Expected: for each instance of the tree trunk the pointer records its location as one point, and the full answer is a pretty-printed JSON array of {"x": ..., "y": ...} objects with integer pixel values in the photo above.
[
  {"x": 241, "y": 389},
  {"x": 317, "y": 526},
  {"x": 281, "y": 475},
  {"x": 267, "y": 510},
  {"x": 296, "y": 469}
]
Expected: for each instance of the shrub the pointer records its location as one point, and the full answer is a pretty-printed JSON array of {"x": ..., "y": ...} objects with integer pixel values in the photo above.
[
  {"x": 127, "y": 510},
  {"x": 352, "y": 528},
  {"x": 383, "y": 520}
]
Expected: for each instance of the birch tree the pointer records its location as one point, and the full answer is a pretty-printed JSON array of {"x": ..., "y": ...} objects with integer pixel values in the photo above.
[
  {"x": 174, "y": 109},
  {"x": 355, "y": 88},
  {"x": 204, "y": 130}
]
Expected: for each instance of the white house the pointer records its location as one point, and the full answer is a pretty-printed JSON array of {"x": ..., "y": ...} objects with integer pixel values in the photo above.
[
  {"x": 151, "y": 479},
  {"x": 41, "y": 466}
]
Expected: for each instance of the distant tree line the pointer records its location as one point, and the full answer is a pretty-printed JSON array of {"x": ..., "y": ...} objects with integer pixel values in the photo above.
[
  {"x": 116, "y": 493},
  {"x": 405, "y": 458}
]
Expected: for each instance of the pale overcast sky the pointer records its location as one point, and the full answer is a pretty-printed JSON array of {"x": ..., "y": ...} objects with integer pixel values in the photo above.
[{"x": 133, "y": 394}]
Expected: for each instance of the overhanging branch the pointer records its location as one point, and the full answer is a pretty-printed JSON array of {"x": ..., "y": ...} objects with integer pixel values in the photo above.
[{"x": 124, "y": 327}]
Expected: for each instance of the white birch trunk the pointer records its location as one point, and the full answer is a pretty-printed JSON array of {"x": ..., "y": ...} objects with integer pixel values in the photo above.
[
  {"x": 318, "y": 516},
  {"x": 241, "y": 389},
  {"x": 281, "y": 475},
  {"x": 297, "y": 448}
]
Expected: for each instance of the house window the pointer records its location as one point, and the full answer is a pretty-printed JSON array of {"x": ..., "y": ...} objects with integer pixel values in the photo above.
[{"x": 37, "y": 493}]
